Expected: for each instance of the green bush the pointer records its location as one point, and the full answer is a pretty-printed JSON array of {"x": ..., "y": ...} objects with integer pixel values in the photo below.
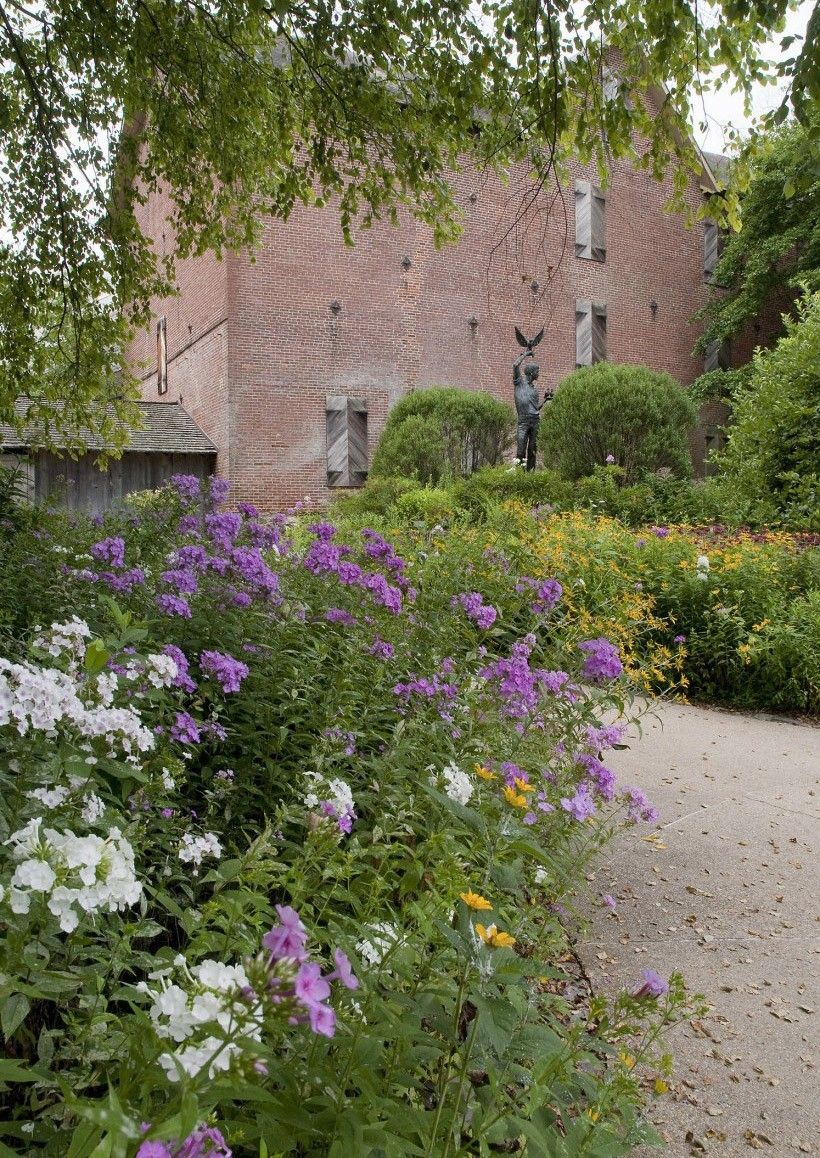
[
  {"x": 772, "y": 458},
  {"x": 443, "y": 433},
  {"x": 637, "y": 416}
]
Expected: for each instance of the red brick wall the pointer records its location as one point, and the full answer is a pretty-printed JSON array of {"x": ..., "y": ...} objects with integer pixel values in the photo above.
[{"x": 400, "y": 329}]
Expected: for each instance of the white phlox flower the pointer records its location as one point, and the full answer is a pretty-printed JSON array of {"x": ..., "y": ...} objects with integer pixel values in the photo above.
[
  {"x": 381, "y": 937},
  {"x": 457, "y": 784},
  {"x": 194, "y": 849}
]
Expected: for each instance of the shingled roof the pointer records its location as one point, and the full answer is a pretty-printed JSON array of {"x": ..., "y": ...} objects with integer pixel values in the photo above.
[{"x": 166, "y": 429}]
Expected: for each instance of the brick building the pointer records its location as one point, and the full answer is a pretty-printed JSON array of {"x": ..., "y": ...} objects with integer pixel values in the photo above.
[{"x": 290, "y": 361}]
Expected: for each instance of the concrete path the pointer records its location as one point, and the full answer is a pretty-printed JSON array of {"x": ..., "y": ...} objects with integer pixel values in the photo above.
[{"x": 732, "y": 902}]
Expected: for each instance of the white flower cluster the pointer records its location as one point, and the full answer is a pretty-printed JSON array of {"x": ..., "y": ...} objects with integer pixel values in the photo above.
[
  {"x": 702, "y": 571},
  {"x": 332, "y": 798},
  {"x": 194, "y": 849},
  {"x": 380, "y": 940},
  {"x": 457, "y": 784},
  {"x": 93, "y": 807},
  {"x": 216, "y": 997},
  {"x": 38, "y": 698},
  {"x": 160, "y": 670},
  {"x": 78, "y": 874},
  {"x": 65, "y": 638}
]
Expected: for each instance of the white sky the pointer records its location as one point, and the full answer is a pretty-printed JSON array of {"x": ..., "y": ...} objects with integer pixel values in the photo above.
[{"x": 722, "y": 108}]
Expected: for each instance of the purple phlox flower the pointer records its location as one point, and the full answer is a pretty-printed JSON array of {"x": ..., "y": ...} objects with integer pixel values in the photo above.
[
  {"x": 322, "y": 1020},
  {"x": 166, "y": 813},
  {"x": 349, "y": 573},
  {"x": 174, "y": 605},
  {"x": 205, "y": 1142},
  {"x": 529, "y": 818},
  {"x": 339, "y": 615},
  {"x": 679, "y": 639},
  {"x": 510, "y": 771},
  {"x": 481, "y": 613},
  {"x": 133, "y": 577},
  {"x": 543, "y": 805},
  {"x": 239, "y": 598},
  {"x": 660, "y": 532},
  {"x": 610, "y": 458},
  {"x": 518, "y": 685},
  {"x": 111, "y": 550},
  {"x": 154, "y": 1150},
  {"x": 323, "y": 531},
  {"x": 218, "y": 489},
  {"x": 190, "y": 556},
  {"x": 447, "y": 665},
  {"x": 248, "y": 510},
  {"x": 653, "y": 985},
  {"x": 223, "y": 528},
  {"x": 182, "y": 678},
  {"x": 604, "y": 736},
  {"x": 547, "y": 593},
  {"x": 185, "y": 581},
  {"x": 381, "y": 649},
  {"x": 344, "y": 819},
  {"x": 288, "y": 939},
  {"x": 226, "y": 670},
  {"x": 188, "y": 525},
  {"x": 343, "y": 971},
  {"x": 382, "y": 592},
  {"x": 185, "y": 729},
  {"x": 339, "y": 735},
  {"x": 609, "y": 901},
  {"x": 187, "y": 486},
  {"x": 602, "y": 661},
  {"x": 322, "y": 557},
  {"x": 378, "y": 548},
  {"x": 310, "y": 986},
  {"x": 639, "y": 807},
  {"x": 602, "y": 778},
  {"x": 581, "y": 805}
]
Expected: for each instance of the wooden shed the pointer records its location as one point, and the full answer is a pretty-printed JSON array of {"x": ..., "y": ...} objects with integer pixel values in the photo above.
[{"x": 168, "y": 442}]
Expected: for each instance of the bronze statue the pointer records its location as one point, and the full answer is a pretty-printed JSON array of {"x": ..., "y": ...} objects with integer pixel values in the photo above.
[{"x": 527, "y": 405}]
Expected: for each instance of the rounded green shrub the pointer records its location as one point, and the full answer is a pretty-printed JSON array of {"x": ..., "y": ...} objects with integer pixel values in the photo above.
[
  {"x": 635, "y": 415},
  {"x": 441, "y": 434}
]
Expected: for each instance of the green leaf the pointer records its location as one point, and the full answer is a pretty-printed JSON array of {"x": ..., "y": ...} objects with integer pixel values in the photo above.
[{"x": 13, "y": 1013}]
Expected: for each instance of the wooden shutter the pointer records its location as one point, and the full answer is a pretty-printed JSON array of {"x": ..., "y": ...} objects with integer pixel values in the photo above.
[
  {"x": 162, "y": 358},
  {"x": 583, "y": 219},
  {"x": 598, "y": 225},
  {"x": 711, "y": 249},
  {"x": 347, "y": 461},
  {"x": 598, "y": 330},
  {"x": 583, "y": 333},
  {"x": 718, "y": 356}
]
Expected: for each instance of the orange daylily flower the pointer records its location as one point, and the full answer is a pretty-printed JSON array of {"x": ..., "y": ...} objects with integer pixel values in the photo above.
[
  {"x": 491, "y": 936},
  {"x": 475, "y": 900}
]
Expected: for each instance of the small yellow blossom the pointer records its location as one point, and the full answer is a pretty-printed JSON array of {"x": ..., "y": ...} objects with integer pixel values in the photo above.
[
  {"x": 485, "y": 773},
  {"x": 594, "y": 1115},
  {"x": 523, "y": 786},
  {"x": 516, "y": 799},
  {"x": 475, "y": 900},
  {"x": 491, "y": 936},
  {"x": 627, "y": 1059},
  {"x": 661, "y": 1087}
]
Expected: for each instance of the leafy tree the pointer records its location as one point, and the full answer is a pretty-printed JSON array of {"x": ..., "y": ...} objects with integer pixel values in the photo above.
[
  {"x": 443, "y": 433},
  {"x": 246, "y": 107},
  {"x": 634, "y": 415},
  {"x": 772, "y": 457}
]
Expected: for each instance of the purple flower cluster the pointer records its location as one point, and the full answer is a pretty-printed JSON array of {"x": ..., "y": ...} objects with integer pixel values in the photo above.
[
  {"x": 218, "y": 490},
  {"x": 324, "y": 557},
  {"x": 600, "y": 737},
  {"x": 652, "y": 985},
  {"x": 174, "y": 605},
  {"x": 185, "y": 729},
  {"x": 287, "y": 941},
  {"x": 480, "y": 612},
  {"x": 110, "y": 551},
  {"x": 204, "y": 1142},
  {"x": 222, "y": 529},
  {"x": 519, "y": 686},
  {"x": 546, "y": 592},
  {"x": 226, "y": 670},
  {"x": 339, "y": 615},
  {"x": 187, "y": 486},
  {"x": 346, "y": 740},
  {"x": 601, "y": 778},
  {"x": 581, "y": 805},
  {"x": 638, "y": 807},
  {"x": 439, "y": 689},
  {"x": 381, "y": 649},
  {"x": 602, "y": 661}
]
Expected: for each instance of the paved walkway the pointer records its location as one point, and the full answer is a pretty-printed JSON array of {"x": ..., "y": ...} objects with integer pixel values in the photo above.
[{"x": 731, "y": 901}]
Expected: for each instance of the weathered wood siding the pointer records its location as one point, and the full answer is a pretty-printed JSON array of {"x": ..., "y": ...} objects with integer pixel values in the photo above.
[{"x": 80, "y": 486}]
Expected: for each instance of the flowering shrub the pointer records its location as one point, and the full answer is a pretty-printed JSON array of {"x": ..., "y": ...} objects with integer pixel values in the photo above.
[{"x": 282, "y": 863}]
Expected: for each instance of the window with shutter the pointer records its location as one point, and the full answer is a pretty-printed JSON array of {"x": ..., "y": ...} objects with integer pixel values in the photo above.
[
  {"x": 162, "y": 358},
  {"x": 718, "y": 356},
  {"x": 598, "y": 333},
  {"x": 711, "y": 249},
  {"x": 590, "y": 222},
  {"x": 590, "y": 333},
  {"x": 347, "y": 462}
]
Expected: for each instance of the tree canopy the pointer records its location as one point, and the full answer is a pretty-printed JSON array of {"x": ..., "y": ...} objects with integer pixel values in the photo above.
[{"x": 247, "y": 107}]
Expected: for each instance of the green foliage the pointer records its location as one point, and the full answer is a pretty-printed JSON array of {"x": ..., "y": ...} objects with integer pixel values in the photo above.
[
  {"x": 454, "y": 1041},
  {"x": 636, "y": 415},
  {"x": 776, "y": 253},
  {"x": 772, "y": 457},
  {"x": 242, "y": 110},
  {"x": 442, "y": 433}
]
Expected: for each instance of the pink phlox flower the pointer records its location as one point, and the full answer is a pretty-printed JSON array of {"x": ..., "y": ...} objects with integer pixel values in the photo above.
[
  {"x": 310, "y": 987},
  {"x": 322, "y": 1020},
  {"x": 343, "y": 971}
]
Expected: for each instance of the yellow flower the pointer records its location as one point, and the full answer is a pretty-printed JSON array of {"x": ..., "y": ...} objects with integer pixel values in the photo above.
[
  {"x": 594, "y": 1115},
  {"x": 493, "y": 938},
  {"x": 627, "y": 1059},
  {"x": 661, "y": 1086},
  {"x": 475, "y": 900},
  {"x": 523, "y": 786},
  {"x": 514, "y": 798},
  {"x": 485, "y": 773}
]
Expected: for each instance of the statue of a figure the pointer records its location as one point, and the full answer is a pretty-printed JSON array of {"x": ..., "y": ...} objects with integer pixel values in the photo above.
[{"x": 528, "y": 409}]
